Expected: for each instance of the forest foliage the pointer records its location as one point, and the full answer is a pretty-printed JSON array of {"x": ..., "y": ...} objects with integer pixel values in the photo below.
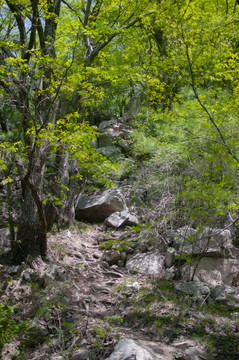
[{"x": 62, "y": 61}]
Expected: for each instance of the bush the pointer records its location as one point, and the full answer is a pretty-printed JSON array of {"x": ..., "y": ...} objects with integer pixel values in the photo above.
[
  {"x": 190, "y": 178},
  {"x": 8, "y": 325}
]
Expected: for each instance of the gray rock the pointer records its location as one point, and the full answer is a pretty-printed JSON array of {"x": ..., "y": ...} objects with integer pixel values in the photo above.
[
  {"x": 99, "y": 207},
  {"x": 130, "y": 350},
  {"x": 132, "y": 220},
  {"x": 194, "y": 353},
  {"x": 29, "y": 275},
  {"x": 146, "y": 263},
  {"x": 210, "y": 242},
  {"x": 214, "y": 271},
  {"x": 170, "y": 273},
  {"x": 112, "y": 258},
  {"x": 120, "y": 264},
  {"x": 5, "y": 242},
  {"x": 111, "y": 152},
  {"x": 13, "y": 270},
  {"x": 194, "y": 289},
  {"x": 212, "y": 278},
  {"x": 57, "y": 358},
  {"x": 123, "y": 256},
  {"x": 105, "y": 140},
  {"x": 105, "y": 125},
  {"x": 83, "y": 355},
  {"x": 117, "y": 219},
  {"x": 170, "y": 257},
  {"x": 226, "y": 295}
]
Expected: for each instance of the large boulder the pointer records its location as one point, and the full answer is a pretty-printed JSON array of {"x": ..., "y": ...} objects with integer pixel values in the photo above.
[
  {"x": 83, "y": 355},
  {"x": 95, "y": 208},
  {"x": 146, "y": 263},
  {"x": 214, "y": 271},
  {"x": 209, "y": 242},
  {"x": 129, "y": 349}
]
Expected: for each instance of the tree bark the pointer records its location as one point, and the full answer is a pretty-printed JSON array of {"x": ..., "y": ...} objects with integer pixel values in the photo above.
[{"x": 31, "y": 236}]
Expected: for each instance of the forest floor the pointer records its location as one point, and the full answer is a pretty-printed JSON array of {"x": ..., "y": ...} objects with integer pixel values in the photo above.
[{"x": 79, "y": 302}]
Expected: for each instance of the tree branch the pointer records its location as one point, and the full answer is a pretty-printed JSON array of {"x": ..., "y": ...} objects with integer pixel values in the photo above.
[
  {"x": 102, "y": 45},
  {"x": 96, "y": 9},
  {"x": 34, "y": 4},
  {"x": 7, "y": 52},
  {"x": 20, "y": 23},
  {"x": 87, "y": 12},
  {"x": 68, "y": 5},
  {"x": 235, "y": 5}
]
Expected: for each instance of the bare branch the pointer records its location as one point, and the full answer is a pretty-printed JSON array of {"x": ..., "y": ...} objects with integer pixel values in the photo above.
[{"x": 68, "y": 5}]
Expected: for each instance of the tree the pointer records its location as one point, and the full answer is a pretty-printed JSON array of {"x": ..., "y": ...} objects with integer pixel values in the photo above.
[
  {"x": 60, "y": 59},
  {"x": 47, "y": 54},
  {"x": 24, "y": 38},
  {"x": 198, "y": 111}
]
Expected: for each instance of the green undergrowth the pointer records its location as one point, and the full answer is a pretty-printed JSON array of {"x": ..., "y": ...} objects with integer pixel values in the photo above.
[
  {"x": 119, "y": 245},
  {"x": 188, "y": 176},
  {"x": 10, "y": 326}
]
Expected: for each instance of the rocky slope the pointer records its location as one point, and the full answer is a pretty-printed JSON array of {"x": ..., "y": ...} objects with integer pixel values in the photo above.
[
  {"x": 121, "y": 285},
  {"x": 77, "y": 306}
]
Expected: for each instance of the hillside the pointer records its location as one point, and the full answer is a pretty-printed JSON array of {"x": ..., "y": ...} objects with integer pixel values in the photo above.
[
  {"x": 119, "y": 191},
  {"x": 76, "y": 306}
]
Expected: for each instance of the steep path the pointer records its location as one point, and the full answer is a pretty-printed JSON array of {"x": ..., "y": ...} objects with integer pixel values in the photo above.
[{"x": 81, "y": 307}]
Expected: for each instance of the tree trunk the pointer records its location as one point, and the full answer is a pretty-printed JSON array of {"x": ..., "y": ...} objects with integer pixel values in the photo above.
[
  {"x": 31, "y": 237},
  {"x": 65, "y": 167},
  {"x": 67, "y": 212}
]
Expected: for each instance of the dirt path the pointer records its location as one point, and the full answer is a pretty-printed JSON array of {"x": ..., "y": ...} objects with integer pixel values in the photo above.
[
  {"x": 102, "y": 295},
  {"x": 80, "y": 303}
]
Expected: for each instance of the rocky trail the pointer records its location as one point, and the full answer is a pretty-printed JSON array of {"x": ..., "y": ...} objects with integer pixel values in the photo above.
[{"x": 83, "y": 307}]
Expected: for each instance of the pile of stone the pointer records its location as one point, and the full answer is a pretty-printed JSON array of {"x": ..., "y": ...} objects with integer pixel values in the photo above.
[{"x": 113, "y": 139}]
